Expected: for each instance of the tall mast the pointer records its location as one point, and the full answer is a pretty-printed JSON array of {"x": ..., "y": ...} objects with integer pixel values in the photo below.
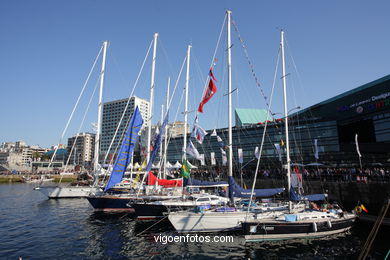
[
  {"x": 166, "y": 131},
  {"x": 100, "y": 105},
  {"x": 229, "y": 60},
  {"x": 285, "y": 113},
  {"x": 162, "y": 119},
  {"x": 151, "y": 98},
  {"x": 186, "y": 103}
]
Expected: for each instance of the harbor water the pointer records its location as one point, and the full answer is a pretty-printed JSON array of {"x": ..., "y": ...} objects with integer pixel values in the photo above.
[{"x": 34, "y": 227}]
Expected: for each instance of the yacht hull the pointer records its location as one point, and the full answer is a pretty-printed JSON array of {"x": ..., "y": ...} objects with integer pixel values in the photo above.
[
  {"x": 110, "y": 203},
  {"x": 56, "y": 192},
  {"x": 266, "y": 230}
]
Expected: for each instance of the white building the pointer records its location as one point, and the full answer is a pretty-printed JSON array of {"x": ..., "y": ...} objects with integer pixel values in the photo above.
[
  {"x": 112, "y": 113},
  {"x": 83, "y": 145}
]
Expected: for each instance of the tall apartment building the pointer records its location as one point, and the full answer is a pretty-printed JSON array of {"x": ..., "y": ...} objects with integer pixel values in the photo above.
[
  {"x": 112, "y": 112},
  {"x": 83, "y": 151}
]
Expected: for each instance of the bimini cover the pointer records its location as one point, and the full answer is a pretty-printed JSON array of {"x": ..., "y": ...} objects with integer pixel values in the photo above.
[
  {"x": 312, "y": 197},
  {"x": 194, "y": 182},
  {"x": 238, "y": 192}
]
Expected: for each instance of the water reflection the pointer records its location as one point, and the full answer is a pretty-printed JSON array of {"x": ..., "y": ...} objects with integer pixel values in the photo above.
[{"x": 34, "y": 227}]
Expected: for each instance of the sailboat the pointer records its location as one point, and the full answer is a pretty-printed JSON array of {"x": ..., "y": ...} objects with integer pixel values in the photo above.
[
  {"x": 57, "y": 192},
  {"x": 227, "y": 218},
  {"x": 113, "y": 202},
  {"x": 311, "y": 223},
  {"x": 145, "y": 210}
]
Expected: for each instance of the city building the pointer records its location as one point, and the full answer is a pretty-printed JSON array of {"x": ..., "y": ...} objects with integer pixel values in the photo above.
[
  {"x": 112, "y": 113},
  {"x": 328, "y": 129},
  {"x": 81, "y": 149},
  {"x": 19, "y": 155},
  {"x": 176, "y": 129}
]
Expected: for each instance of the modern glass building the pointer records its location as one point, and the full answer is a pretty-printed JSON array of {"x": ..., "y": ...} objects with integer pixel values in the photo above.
[{"x": 333, "y": 123}]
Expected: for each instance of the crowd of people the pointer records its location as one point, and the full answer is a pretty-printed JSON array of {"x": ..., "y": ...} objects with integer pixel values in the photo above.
[{"x": 377, "y": 174}]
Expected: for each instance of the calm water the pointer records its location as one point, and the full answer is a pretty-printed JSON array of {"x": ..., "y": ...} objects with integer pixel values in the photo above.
[{"x": 33, "y": 227}]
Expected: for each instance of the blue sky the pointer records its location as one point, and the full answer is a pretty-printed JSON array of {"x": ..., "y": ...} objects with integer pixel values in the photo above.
[{"x": 48, "y": 47}]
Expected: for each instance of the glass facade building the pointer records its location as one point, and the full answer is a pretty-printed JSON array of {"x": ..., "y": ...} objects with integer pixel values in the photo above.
[{"x": 364, "y": 111}]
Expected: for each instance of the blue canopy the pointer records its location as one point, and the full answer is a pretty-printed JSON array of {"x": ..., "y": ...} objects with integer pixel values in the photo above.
[
  {"x": 126, "y": 151},
  {"x": 194, "y": 182},
  {"x": 238, "y": 192},
  {"x": 312, "y": 197}
]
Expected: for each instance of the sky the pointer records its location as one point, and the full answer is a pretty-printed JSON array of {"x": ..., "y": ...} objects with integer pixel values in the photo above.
[{"x": 48, "y": 48}]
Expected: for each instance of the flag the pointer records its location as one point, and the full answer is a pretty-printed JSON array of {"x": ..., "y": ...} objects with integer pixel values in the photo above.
[
  {"x": 221, "y": 143},
  {"x": 198, "y": 132},
  {"x": 202, "y": 162},
  {"x": 357, "y": 146},
  {"x": 315, "y": 149},
  {"x": 281, "y": 142},
  {"x": 185, "y": 169},
  {"x": 224, "y": 157},
  {"x": 257, "y": 152},
  {"x": 240, "y": 155},
  {"x": 214, "y": 133},
  {"x": 212, "y": 158},
  {"x": 211, "y": 74},
  {"x": 191, "y": 150},
  {"x": 277, "y": 146},
  {"x": 363, "y": 208},
  {"x": 296, "y": 170},
  {"x": 210, "y": 91},
  {"x": 156, "y": 145}
]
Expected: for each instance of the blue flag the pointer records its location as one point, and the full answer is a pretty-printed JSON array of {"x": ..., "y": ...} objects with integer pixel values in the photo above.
[
  {"x": 126, "y": 151},
  {"x": 157, "y": 143}
]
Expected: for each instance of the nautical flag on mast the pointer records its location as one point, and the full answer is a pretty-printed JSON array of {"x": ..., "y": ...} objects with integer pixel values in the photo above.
[
  {"x": 277, "y": 146},
  {"x": 315, "y": 149},
  {"x": 198, "y": 132},
  {"x": 212, "y": 158},
  {"x": 224, "y": 157},
  {"x": 191, "y": 150},
  {"x": 357, "y": 146},
  {"x": 214, "y": 133},
  {"x": 202, "y": 160},
  {"x": 257, "y": 152},
  {"x": 210, "y": 91},
  {"x": 240, "y": 155}
]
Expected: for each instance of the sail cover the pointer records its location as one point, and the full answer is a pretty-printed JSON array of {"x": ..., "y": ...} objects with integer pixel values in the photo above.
[
  {"x": 238, "y": 192},
  {"x": 312, "y": 197},
  {"x": 194, "y": 182},
  {"x": 126, "y": 151}
]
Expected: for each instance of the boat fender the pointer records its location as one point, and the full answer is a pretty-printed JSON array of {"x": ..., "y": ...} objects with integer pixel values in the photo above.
[
  {"x": 314, "y": 227},
  {"x": 329, "y": 224}
]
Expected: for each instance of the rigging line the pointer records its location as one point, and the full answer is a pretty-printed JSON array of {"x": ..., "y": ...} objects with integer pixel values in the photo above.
[
  {"x": 263, "y": 136},
  {"x": 166, "y": 55},
  {"x": 251, "y": 67},
  {"x": 176, "y": 114},
  {"x": 118, "y": 68},
  {"x": 75, "y": 106},
  {"x": 213, "y": 59},
  {"x": 127, "y": 104},
  {"x": 81, "y": 125},
  {"x": 169, "y": 105}
]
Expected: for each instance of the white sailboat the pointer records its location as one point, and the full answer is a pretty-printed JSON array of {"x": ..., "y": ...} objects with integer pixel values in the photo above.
[
  {"x": 223, "y": 219},
  {"x": 57, "y": 192},
  {"x": 311, "y": 223}
]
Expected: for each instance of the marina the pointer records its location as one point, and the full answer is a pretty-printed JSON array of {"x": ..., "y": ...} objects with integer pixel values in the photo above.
[
  {"x": 38, "y": 228},
  {"x": 282, "y": 175}
]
